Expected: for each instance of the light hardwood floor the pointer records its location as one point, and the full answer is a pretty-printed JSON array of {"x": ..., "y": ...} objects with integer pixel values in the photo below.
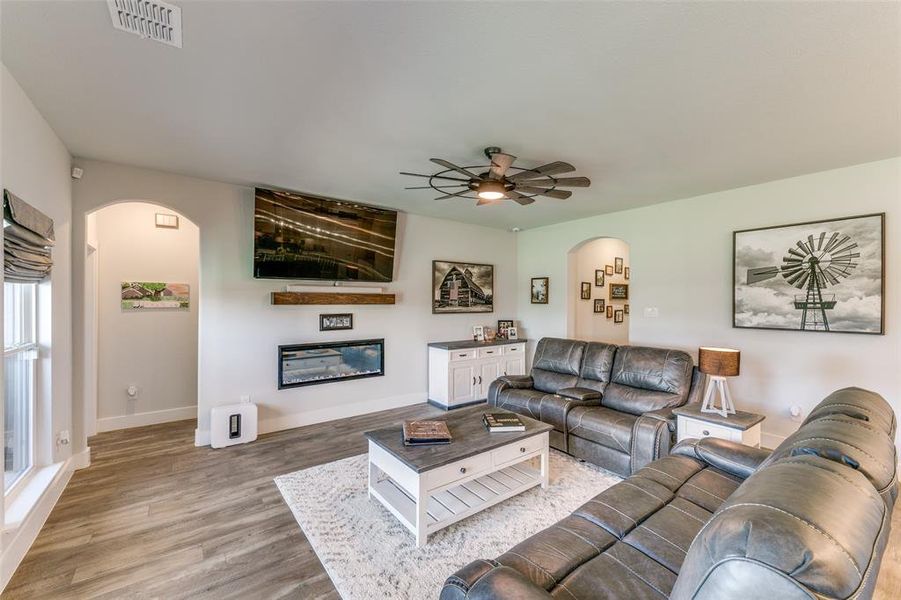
[{"x": 155, "y": 517}]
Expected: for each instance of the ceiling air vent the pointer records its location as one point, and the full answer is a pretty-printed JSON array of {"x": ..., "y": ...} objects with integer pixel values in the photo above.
[{"x": 149, "y": 19}]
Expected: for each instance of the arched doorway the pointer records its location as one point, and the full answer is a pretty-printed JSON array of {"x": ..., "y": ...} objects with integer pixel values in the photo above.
[
  {"x": 585, "y": 263},
  {"x": 141, "y": 301}
]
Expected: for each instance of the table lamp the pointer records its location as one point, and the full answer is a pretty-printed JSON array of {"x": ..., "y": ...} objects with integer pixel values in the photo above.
[{"x": 718, "y": 364}]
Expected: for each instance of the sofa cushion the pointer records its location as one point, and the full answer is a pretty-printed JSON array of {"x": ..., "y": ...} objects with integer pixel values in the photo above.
[
  {"x": 603, "y": 426},
  {"x": 814, "y": 524},
  {"x": 620, "y": 572},
  {"x": 645, "y": 379},
  {"x": 857, "y": 403},
  {"x": 556, "y": 364},
  {"x": 597, "y": 366},
  {"x": 522, "y": 402}
]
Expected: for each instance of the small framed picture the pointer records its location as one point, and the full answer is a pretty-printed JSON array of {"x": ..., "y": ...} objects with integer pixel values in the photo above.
[
  {"x": 512, "y": 334},
  {"x": 619, "y": 291},
  {"x": 609, "y": 269},
  {"x": 599, "y": 305},
  {"x": 586, "y": 290},
  {"x": 618, "y": 265},
  {"x": 502, "y": 326},
  {"x": 599, "y": 277},
  {"x": 626, "y": 308},
  {"x": 617, "y": 316},
  {"x": 609, "y": 311},
  {"x": 626, "y": 272},
  {"x": 540, "y": 288},
  {"x": 336, "y": 322},
  {"x": 478, "y": 333}
]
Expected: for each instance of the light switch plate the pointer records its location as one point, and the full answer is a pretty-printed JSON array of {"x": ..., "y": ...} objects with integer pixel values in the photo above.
[{"x": 651, "y": 312}]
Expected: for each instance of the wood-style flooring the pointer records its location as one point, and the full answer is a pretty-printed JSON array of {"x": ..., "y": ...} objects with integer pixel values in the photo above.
[{"x": 155, "y": 517}]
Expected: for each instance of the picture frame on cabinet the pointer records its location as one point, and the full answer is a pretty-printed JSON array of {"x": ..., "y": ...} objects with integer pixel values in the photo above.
[
  {"x": 618, "y": 265},
  {"x": 540, "y": 290},
  {"x": 502, "y": 326},
  {"x": 586, "y": 290},
  {"x": 599, "y": 277},
  {"x": 478, "y": 333},
  {"x": 512, "y": 333},
  {"x": 599, "y": 306}
]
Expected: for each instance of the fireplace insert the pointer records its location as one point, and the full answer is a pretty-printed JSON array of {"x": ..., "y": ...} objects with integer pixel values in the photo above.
[{"x": 309, "y": 364}]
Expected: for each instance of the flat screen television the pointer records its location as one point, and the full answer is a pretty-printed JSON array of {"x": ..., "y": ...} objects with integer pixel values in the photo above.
[{"x": 299, "y": 236}]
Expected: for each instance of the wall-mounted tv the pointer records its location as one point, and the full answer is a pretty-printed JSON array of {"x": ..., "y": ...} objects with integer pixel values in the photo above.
[{"x": 299, "y": 236}]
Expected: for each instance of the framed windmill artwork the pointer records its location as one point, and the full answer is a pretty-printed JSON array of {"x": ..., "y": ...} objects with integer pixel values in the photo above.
[
  {"x": 816, "y": 276},
  {"x": 459, "y": 287}
]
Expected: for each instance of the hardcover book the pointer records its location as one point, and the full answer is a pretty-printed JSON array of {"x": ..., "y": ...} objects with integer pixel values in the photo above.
[
  {"x": 502, "y": 422},
  {"x": 422, "y": 433}
]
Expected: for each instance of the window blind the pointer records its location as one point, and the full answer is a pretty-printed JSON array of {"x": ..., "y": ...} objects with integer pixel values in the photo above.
[{"x": 27, "y": 240}]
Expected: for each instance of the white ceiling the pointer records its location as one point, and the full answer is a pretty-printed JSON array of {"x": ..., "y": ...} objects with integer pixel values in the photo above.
[{"x": 652, "y": 101}]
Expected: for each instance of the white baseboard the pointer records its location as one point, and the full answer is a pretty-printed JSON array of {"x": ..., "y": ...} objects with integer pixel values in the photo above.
[
  {"x": 771, "y": 440},
  {"x": 82, "y": 460},
  {"x": 146, "y": 418},
  {"x": 21, "y": 532},
  {"x": 280, "y": 423}
]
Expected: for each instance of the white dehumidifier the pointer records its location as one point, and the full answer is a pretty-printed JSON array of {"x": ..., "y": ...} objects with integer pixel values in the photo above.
[{"x": 233, "y": 424}]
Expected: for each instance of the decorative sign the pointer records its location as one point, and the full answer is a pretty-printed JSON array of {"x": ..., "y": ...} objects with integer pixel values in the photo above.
[{"x": 619, "y": 291}]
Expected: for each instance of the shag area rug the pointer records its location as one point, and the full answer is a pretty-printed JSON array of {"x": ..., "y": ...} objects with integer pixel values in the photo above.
[{"x": 369, "y": 555}]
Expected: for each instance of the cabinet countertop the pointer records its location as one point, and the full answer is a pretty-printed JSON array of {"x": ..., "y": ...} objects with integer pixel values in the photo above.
[
  {"x": 741, "y": 420},
  {"x": 461, "y": 344}
]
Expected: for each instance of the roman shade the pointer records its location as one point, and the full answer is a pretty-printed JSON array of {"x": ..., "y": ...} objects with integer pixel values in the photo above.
[{"x": 27, "y": 239}]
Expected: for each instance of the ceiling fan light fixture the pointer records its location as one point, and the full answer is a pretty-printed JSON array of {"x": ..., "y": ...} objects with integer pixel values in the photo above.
[{"x": 491, "y": 190}]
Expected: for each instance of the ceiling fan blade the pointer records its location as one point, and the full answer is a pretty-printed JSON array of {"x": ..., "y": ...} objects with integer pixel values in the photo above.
[
  {"x": 435, "y": 176},
  {"x": 452, "y": 166},
  {"x": 483, "y": 202},
  {"x": 519, "y": 198},
  {"x": 500, "y": 162},
  {"x": 561, "y": 182},
  {"x": 430, "y": 187},
  {"x": 549, "y": 169},
  {"x": 445, "y": 197},
  {"x": 559, "y": 194}
]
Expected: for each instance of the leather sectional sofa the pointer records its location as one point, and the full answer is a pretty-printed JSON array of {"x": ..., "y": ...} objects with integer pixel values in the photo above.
[
  {"x": 610, "y": 405},
  {"x": 718, "y": 520}
]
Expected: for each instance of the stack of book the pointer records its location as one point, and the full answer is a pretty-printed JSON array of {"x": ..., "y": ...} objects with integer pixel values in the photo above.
[
  {"x": 426, "y": 433},
  {"x": 498, "y": 422}
]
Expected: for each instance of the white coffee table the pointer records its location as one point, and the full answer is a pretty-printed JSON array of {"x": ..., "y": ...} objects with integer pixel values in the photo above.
[{"x": 428, "y": 488}]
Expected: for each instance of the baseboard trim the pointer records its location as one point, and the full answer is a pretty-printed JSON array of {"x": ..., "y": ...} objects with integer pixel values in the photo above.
[
  {"x": 18, "y": 540},
  {"x": 82, "y": 460},
  {"x": 146, "y": 418},
  {"x": 771, "y": 440},
  {"x": 280, "y": 423}
]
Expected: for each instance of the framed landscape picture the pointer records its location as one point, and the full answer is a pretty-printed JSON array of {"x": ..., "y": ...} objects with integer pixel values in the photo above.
[
  {"x": 599, "y": 305},
  {"x": 459, "y": 287},
  {"x": 586, "y": 290},
  {"x": 155, "y": 295},
  {"x": 599, "y": 277},
  {"x": 816, "y": 276},
  {"x": 618, "y": 265},
  {"x": 539, "y": 290}
]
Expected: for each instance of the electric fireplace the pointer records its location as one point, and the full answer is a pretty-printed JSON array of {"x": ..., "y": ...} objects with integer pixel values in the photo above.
[{"x": 309, "y": 364}]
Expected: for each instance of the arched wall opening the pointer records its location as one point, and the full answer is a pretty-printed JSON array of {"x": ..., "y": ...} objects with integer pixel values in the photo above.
[
  {"x": 140, "y": 341},
  {"x": 587, "y": 262}
]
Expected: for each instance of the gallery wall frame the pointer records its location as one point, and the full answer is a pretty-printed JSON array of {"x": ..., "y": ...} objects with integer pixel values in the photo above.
[
  {"x": 773, "y": 281},
  {"x": 539, "y": 290}
]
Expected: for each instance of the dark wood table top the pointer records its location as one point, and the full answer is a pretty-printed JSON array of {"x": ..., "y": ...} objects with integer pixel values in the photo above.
[
  {"x": 741, "y": 420},
  {"x": 463, "y": 344},
  {"x": 470, "y": 437}
]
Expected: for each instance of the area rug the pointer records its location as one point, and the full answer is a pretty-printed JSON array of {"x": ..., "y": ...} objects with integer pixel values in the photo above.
[{"x": 368, "y": 554}]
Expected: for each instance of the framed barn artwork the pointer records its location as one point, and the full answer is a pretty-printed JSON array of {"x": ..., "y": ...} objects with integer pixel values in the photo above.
[
  {"x": 826, "y": 276},
  {"x": 459, "y": 287}
]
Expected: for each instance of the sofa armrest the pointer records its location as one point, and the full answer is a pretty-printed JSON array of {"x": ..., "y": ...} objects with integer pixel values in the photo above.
[
  {"x": 729, "y": 456},
  {"x": 487, "y": 580},
  {"x": 580, "y": 394},
  {"x": 653, "y": 435},
  {"x": 665, "y": 415},
  {"x": 506, "y": 382}
]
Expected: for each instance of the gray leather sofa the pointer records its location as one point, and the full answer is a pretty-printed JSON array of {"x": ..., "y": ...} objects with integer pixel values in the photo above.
[
  {"x": 610, "y": 405},
  {"x": 718, "y": 520}
]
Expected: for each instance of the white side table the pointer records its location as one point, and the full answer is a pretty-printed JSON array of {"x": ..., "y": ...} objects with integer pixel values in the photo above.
[{"x": 742, "y": 427}]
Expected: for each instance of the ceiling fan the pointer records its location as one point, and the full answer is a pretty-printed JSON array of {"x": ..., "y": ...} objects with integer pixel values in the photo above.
[{"x": 500, "y": 180}]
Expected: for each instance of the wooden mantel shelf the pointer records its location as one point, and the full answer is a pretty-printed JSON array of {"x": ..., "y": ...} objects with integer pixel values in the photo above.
[{"x": 295, "y": 298}]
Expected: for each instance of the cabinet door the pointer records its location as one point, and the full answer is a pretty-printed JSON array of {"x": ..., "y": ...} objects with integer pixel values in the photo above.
[
  {"x": 514, "y": 365},
  {"x": 488, "y": 372},
  {"x": 463, "y": 383}
]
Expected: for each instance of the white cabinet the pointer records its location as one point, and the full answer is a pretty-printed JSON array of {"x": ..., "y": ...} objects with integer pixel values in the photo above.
[{"x": 461, "y": 375}]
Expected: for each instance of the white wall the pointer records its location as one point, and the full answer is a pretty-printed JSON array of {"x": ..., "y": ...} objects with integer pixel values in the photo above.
[
  {"x": 240, "y": 329},
  {"x": 153, "y": 350},
  {"x": 35, "y": 167},
  {"x": 582, "y": 322},
  {"x": 681, "y": 255}
]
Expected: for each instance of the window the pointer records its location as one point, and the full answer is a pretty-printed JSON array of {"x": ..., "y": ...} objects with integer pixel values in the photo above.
[{"x": 19, "y": 377}]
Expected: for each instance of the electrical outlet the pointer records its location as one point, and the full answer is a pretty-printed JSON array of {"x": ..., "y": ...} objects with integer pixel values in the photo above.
[
  {"x": 62, "y": 438},
  {"x": 245, "y": 399},
  {"x": 132, "y": 391}
]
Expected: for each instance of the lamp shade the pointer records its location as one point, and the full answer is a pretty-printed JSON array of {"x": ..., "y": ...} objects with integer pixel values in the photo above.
[{"x": 723, "y": 362}]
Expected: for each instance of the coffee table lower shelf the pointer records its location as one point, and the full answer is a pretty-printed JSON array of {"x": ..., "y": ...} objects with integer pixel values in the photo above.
[{"x": 399, "y": 488}]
